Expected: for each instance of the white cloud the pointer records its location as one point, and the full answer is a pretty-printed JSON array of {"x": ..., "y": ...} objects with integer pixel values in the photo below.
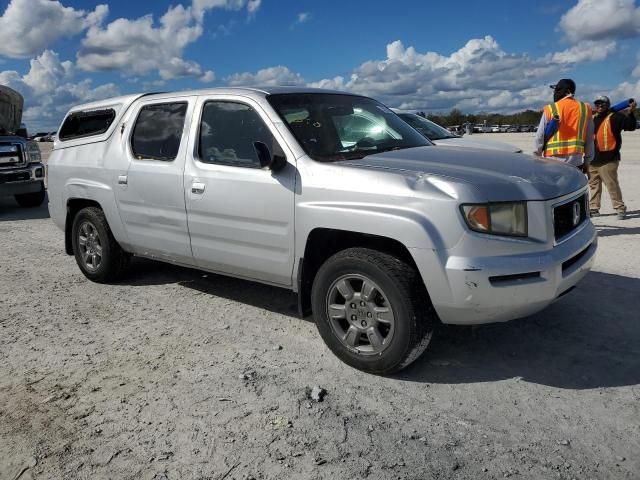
[
  {"x": 625, "y": 91},
  {"x": 253, "y": 6},
  {"x": 208, "y": 77},
  {"x": 478, "y": 76},
  {"x": 50, "y": 89},
  {"x": 27, "y": 27},
  {"x": 140, "y": 46},
  {"x": 46, "y": 73},
  {"x": 600, "y": 19},
  {"x": 266, "y": 77},
  {"x": 303, "y": 17},
  {"x": 201, "y": 7},
  {"x": 335, "y": 83},
  {"x": 588, "y": 50},
  {"x": 478, "y": 72}
]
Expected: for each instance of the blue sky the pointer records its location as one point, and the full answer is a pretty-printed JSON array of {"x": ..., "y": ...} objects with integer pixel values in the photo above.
[{"x": 496, "y": 56}]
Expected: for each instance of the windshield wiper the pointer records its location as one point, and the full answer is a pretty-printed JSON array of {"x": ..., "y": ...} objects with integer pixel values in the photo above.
[
  {"x": 389, "y": 149},
  {"x": 342, "y": 156},
  {"x": 360, "y": 154}
]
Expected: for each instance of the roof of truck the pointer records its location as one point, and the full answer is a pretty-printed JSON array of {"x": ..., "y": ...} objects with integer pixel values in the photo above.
[{"x": 244, "y": 91}]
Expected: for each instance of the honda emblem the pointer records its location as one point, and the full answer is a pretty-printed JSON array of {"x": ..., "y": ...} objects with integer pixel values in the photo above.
[{"x": 576, "y": 213}]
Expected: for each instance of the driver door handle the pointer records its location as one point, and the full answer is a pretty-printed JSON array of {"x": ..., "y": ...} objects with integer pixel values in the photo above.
[{"x": 197, "y": 188}]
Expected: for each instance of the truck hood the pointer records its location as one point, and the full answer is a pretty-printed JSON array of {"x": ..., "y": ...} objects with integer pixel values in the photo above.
[
  {"x": 477, "y": 143},
  {"x": 497, "y": 176}
]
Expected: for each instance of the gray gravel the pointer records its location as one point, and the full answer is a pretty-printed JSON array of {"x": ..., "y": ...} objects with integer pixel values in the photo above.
[{"x": 171, "y": 374}]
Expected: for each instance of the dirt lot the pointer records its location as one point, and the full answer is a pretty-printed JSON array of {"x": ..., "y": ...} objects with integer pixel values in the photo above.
[{"x": 175, "y": 374}]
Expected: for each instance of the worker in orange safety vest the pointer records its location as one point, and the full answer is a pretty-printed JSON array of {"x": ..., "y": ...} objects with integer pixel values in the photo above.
[
  {"x": 604, "y": 167},
  {"x": 572, "y": 143}
]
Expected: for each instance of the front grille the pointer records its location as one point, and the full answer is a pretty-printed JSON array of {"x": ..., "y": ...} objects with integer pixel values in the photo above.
[
  {"x": 14, "y": 176},
  {"x": 11, "y": 155},
  {"x": 568, "y": 216}
]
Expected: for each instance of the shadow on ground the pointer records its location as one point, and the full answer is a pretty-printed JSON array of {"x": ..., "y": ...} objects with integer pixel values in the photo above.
[
  {"x": 10, "y": 211},
  {"x": 619, "y": 227},
  {"x": 277, "y": 300},
  {"x": 588, "y": 339},
  {"x": 611, "y": 230}
]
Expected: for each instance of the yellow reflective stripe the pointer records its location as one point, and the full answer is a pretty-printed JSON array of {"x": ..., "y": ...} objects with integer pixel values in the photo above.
[
  {"x": 582, "y": 121},
  {"x": 554, "y": 113},
  {"x": 567, "y": 143},
  {"x": 605, "y": 132}
]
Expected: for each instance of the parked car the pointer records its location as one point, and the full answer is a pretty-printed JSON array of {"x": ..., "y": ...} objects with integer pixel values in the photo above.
[
  {"x": 49, "y": 137},
  {"x": 440, "y": 136},
  {"x": 495, "y": 128},
  {"x": 37, "y": 136},
  {"x": 457, "y": 130},
  {"x": 382, "y": 235},
  {"x": 481, "y": 128},
  {"x": 513, "y": 129}
]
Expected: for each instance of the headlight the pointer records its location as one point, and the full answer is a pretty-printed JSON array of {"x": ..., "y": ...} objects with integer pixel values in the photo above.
[
  {"x": 33, "y": 152},
  {"x": 505, "y": 218}
]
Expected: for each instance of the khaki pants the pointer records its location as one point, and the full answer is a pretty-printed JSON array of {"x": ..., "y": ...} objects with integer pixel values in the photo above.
[{"x": 607, "y": 174}]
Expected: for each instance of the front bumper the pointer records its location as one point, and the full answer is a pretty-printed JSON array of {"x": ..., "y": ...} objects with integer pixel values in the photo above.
[
  {"x": 29, "y": 179},
  {"x": 502, "y": 288}
]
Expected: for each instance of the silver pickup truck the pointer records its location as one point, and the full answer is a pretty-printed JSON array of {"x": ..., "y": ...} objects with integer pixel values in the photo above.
[{"x": 382, "y": 235}]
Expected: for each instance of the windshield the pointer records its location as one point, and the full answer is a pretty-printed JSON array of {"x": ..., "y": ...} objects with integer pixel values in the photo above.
[
  {"x": 431, "y": 130},
  {"x": 343, "y": 127}
]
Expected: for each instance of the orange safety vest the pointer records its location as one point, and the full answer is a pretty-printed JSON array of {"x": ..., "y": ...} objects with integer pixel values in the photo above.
[
  {"x": 571, "y": 137},
  {"x": 605, "y": 140}
]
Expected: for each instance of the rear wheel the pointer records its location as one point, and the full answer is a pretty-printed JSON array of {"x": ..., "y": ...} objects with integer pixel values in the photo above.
[
  {"x": 30, "y": 200},
  {"x": 97, "y": 252},
  {"x": 372, "y": 310}
]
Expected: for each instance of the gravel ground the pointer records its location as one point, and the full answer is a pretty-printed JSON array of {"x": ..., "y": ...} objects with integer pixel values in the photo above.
[{"x": 177, "y": 374}]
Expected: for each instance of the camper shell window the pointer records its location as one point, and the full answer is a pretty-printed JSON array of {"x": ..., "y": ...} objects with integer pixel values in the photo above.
[{"x": 85, "y": 124}]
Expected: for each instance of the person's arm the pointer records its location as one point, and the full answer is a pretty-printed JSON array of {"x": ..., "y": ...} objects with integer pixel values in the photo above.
[
  {"x": 629, "y": 124},
  {"x": 624, "y": 120},
  {"x": 538, "y": 141}
]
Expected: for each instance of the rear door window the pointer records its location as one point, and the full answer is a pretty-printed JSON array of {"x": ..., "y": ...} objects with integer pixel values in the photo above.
[
  {"x": 158, "y": 130},
  {"x": 84, "y": 124}
]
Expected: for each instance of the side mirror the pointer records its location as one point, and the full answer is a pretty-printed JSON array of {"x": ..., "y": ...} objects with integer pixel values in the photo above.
[
  {"x": 21, "y": 132},
  {"x": 274, "y": 162}
]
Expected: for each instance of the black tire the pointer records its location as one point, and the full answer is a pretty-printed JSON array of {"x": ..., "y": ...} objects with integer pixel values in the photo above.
[
  {"x": 400, "y": 286},
  {"x": 30, "y": 200},
  {"x": 113, "y": 260}
]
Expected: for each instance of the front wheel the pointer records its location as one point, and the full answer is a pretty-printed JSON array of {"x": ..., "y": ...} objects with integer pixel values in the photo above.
[
  {"x": 372, "y": 310},
  {"x": 97, "y": 252}
]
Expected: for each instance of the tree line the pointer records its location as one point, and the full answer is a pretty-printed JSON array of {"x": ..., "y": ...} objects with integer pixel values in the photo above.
[{"x": 456, "y": 117}]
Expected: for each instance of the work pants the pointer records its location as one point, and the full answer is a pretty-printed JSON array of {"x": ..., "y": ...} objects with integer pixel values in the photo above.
[{"x": 607, "y": 174}]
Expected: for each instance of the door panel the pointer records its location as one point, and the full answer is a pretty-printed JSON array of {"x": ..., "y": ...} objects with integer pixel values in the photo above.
[
  {"x": 151, "y": 193},
  {"x": 240, "y": 217}
]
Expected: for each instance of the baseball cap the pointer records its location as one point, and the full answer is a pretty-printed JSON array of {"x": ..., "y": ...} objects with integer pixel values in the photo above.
[
  {"x": 565, "y": 84},
  {"x": 602, "y": 99}
]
